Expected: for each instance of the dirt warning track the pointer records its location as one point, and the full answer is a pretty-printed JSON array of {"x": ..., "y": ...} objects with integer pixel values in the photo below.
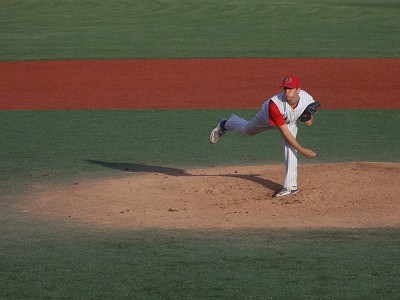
[{"x": 194, "y": 83}]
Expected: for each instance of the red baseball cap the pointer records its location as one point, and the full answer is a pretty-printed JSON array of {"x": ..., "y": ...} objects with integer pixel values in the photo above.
[{"x": 291, "y": 82}]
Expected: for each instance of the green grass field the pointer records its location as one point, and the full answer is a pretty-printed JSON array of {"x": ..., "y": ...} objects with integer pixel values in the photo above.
[
  {"x": 59, "y": 144},
  {"x": 54, "y": 258},
  {"x": 32, "y": 30}
]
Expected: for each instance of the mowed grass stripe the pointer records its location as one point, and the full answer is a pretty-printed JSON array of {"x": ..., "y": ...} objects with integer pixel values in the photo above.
[
  {"x": 55, "y": 146},
  {"x": 42, "y": 30},
  {"x": 65, "y": 261}
]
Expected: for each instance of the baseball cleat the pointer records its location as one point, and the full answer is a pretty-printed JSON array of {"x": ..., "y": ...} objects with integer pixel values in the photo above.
[
  {"x": 217, "y": 132},
  {"x": 287, "y": 192}
]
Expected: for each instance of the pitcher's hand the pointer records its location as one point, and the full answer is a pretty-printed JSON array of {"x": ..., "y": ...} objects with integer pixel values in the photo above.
[{"x": 308, "y": 153}]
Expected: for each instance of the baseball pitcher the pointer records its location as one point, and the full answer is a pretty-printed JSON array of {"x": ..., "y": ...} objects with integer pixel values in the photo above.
[{"x": 281, "y": 112}]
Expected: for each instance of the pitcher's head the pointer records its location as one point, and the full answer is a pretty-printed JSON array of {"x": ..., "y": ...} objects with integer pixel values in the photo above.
[{"x": 291, "y": 89}]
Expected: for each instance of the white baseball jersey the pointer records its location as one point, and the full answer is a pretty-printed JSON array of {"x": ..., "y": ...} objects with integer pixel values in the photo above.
[{"x": 291, "y": 115}]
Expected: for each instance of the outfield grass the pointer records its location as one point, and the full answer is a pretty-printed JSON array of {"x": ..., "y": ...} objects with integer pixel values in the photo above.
[
  {"x": 104, "y": 29},
  {"x": 54, "y": 146}
]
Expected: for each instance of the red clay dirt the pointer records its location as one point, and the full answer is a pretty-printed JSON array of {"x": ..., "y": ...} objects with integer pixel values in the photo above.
[
  {"x": 195, "y": 83},
  {"x": 332, "y": 195}
]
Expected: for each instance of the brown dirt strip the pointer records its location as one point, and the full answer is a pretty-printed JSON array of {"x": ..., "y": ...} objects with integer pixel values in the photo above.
[
  {"x": 346, "y": 195},
  {"x": 195, "y": 83}
]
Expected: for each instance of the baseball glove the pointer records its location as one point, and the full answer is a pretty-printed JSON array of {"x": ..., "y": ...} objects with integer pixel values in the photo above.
[{"x": 309, "y": 111}]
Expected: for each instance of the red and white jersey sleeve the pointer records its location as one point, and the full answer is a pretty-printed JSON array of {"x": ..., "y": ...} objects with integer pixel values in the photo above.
[{"x": 275, "y": 116}]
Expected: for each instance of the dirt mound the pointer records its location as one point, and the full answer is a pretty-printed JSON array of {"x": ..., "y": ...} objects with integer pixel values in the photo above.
[{"x": 342, "y": 195}]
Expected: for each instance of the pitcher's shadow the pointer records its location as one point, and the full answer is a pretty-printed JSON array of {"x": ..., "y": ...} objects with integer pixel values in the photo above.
[{"x": 136, "y": 168}]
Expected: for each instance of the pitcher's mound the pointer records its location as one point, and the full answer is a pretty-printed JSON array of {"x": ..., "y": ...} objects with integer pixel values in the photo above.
[{"x": 331, "y": 195}]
